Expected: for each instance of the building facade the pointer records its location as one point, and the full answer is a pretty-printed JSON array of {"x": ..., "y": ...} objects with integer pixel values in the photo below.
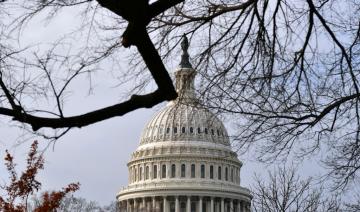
[{"x": 184, "y": 162}]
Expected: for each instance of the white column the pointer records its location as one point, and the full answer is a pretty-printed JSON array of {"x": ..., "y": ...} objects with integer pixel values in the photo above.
[
  {"x": 168, "y": 170},
  {"x": 212, "y": 204},
  {"x": 200, "y": 204},
  {"x": 222, "y": 205},
  {"x": 138, "y": 168},
  {"x": 143, "y": 169},
  {"x": 188, "y": 169},
  {"x": 157, "y": 206},
  {"x": 135, "y": 206},
  {"x": 151, "y": 170},
  {"x": 178, "y": 169},
  {"x": 177, "y": 204},
  {"x": 238, "y": 206},
  {"x": 128, "y": 208},
  {"x": 153, "y": 204},
  {"x": 148, "y": 206},
  {"x": 159, "y": 170},
  {"x": 129, "y": 176},
  {"x": 197, "y": 169},
  {"x": 238, "y": 176},
  {"x": 231, "y": 205},
  {"x": 188, "y": 204},
  {"x": 165, "y": 204},
  {"x": 143, "y": 205}
]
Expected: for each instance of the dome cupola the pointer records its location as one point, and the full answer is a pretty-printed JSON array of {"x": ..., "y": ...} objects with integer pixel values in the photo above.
[{"x": 185, "y": 75}]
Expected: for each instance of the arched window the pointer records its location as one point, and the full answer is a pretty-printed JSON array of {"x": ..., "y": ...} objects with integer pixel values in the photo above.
[
  {"x": 206, "y": 131},
  {"x": 199, "y": 130},
  {"x": 173, "y": 170},
  {"x": 135, "y": 173},
  {"x": 226, "y": 174},
  {"x": 219, "y": 172},
  {"x": 212, "y": 131},
  {"x": 140, "y": 173},
  {"x": 211, "y": 172},
  {"x": 232, "y": 175},
  {"x": 183, "y": 170},
  {"x": 183, "y": 129},
  {"x": 175, "y": 129},
  {"x": 202, "y": 174},
  {"x": 192, "y": 170},
  {"x": 163, "y": 171},
  {"x": 147, "y": 173},
  {"x": 155, "y": 172},
  {"x": 168, "y": 130},
  {"x": 218, "y": 133},
  {"x": 191, "y": 130}
]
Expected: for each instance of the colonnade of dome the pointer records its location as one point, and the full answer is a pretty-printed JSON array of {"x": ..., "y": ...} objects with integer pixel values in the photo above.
[
  {"x": 184, "y": 169},
  {"x": 182, "y": 203},
  {"x": 184, "y": 162}
]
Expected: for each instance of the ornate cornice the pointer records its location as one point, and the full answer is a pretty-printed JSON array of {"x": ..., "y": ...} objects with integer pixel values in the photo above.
[
  {"x": 185, "y": 148},
  {"x": 211, "y": 189},
  {"x": 190, "y": 157}
]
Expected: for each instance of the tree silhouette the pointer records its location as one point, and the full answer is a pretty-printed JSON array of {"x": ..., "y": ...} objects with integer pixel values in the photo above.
[{"x": 286, "y": 71}]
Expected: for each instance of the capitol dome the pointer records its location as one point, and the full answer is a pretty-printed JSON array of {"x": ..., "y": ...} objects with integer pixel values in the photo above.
[
  {"x": 185, "y": 122},
  {"x": 184, "y": 162}
]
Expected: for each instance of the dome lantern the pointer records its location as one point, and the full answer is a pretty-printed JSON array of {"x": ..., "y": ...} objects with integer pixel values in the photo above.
[{"x": 185, "y": 75}]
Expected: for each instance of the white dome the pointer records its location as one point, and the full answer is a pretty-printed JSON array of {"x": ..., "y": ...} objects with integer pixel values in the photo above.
[{"x": 180, "y": 121}]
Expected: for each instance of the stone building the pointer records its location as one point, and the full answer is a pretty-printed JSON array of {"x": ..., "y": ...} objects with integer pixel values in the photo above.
[{"x": 184, "y": 162}]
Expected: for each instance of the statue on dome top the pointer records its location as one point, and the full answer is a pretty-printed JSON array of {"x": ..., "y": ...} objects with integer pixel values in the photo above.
[{"x": 185, "y": 63}]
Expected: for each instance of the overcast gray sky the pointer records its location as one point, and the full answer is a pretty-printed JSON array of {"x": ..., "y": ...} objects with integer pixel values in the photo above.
[{"x": 96, "y": 156}]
